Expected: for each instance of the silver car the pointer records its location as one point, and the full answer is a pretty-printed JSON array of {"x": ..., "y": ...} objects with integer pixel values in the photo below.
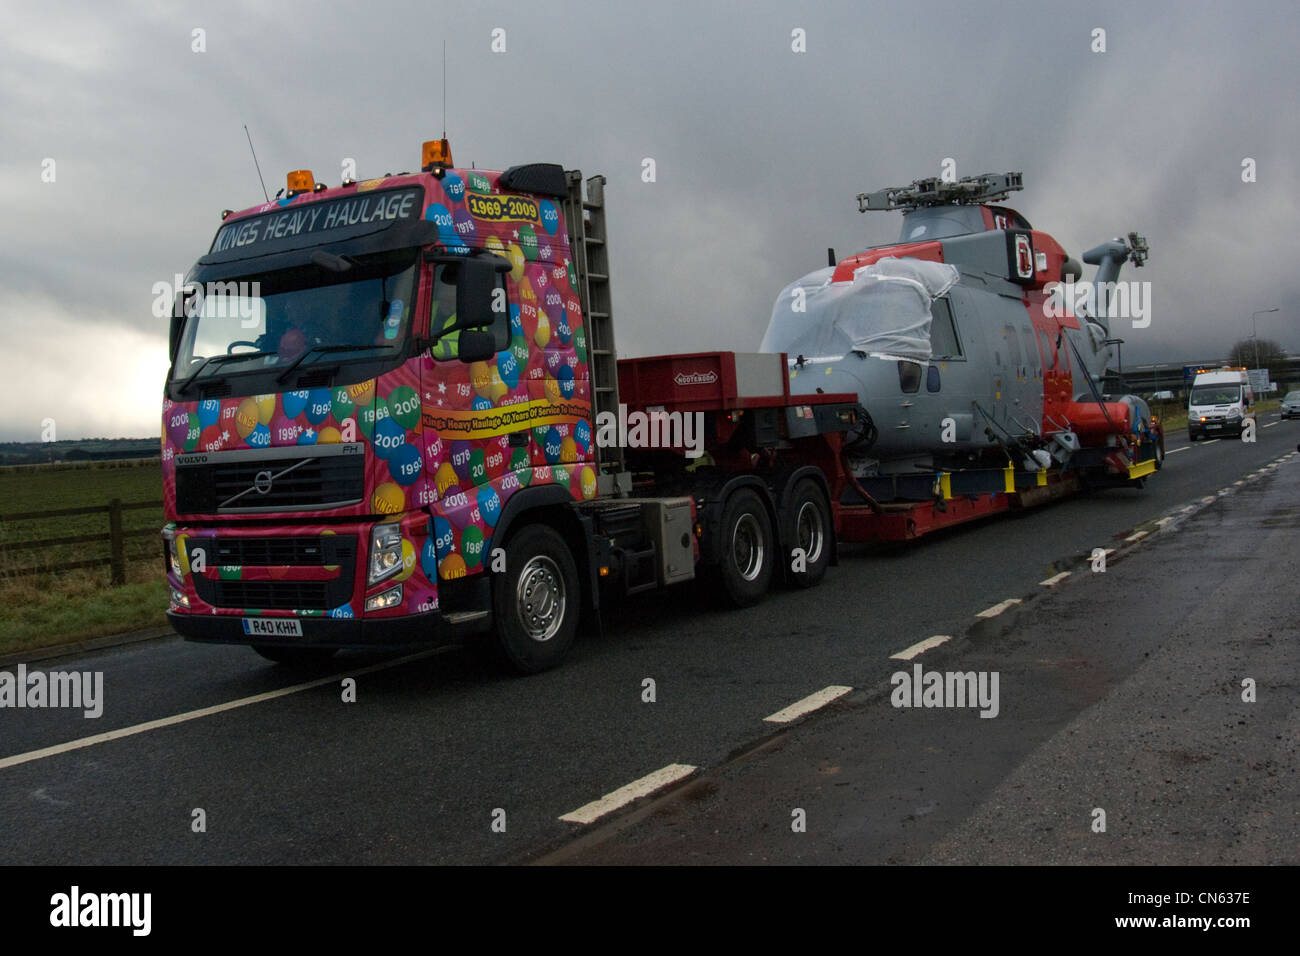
[{"x": 1291, "y": 405}]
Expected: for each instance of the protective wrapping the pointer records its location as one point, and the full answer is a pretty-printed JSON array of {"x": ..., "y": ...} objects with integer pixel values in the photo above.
[{"x": 884, "y": 310}]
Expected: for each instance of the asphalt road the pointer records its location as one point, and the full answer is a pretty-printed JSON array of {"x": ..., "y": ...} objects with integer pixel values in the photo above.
[{"x": 441, "y": 761}]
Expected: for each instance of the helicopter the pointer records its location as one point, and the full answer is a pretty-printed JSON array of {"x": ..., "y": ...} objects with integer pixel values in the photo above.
[{"x": 971, "y": 345}]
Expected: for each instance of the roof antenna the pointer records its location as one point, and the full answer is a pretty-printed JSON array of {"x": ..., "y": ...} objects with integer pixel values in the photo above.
[
  {"x": 444, "y": 88},
  {"x": 257, "y": 165}
]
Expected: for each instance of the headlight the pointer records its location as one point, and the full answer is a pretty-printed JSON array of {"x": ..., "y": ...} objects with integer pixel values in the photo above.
[
  {"x": 385, "y": 551},
  {"x": 390, "y": 598},
  {"x": 1234, "y": 413}
]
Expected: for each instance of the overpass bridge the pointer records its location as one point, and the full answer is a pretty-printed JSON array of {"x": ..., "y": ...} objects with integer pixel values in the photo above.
[{"x": 1145, "y": 379}]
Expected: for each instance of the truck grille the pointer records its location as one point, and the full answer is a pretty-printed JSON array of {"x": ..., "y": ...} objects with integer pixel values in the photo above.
[
  {"x": 308, "y": 551},
  {"x": 302, "y": 551},
  {"x": 262, "y": 595},
  {"x": 289, "y": 479}
]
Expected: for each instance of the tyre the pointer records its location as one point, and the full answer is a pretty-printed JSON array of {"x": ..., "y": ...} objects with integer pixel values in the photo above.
[
  {"x": 811, "y": 526},
  {"x": 1160, "y": 451},
  {"x": 536, "y": 601},
  {"x": 745, "y": 561},
  {"x": 297, "y": 656}
]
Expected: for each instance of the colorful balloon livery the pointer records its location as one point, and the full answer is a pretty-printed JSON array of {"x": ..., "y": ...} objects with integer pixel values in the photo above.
[{"x": 425, "y": 437}]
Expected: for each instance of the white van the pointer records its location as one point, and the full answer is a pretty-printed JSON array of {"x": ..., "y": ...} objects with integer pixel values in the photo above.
[{"x": 1220, "y": 403}]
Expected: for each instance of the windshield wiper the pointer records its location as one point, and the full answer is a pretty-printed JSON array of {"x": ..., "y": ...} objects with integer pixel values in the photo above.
[
  {"x": 218, "y": 359},
  {"x": 316, "y": 349}
]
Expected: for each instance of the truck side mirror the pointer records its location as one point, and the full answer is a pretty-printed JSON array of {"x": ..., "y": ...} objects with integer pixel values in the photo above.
[
  {"x": 475, "y": 345},
  {"x": 476, "y": 286}
]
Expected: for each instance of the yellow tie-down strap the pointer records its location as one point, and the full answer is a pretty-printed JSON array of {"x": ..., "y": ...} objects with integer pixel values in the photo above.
[{"x": 1142, "y": 468}]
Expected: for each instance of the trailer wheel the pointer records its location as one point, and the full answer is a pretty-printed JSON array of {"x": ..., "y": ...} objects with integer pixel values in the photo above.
[
  {"x": 812, "y": 528},
  {"x": 535, "y": 601},
  {"x": 745, "y": 567},
  {"x": 1160, "y": 451},
  {"x": 297, "y": 656}
]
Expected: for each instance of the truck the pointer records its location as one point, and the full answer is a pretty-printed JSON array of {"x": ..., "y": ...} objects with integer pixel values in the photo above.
[
  {"x": 395, "y": 417},
  {"x": 1221, "y": 402}
]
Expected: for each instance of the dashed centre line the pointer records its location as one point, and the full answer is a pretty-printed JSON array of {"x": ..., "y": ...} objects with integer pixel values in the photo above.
[
  {"x": 1055, "y": 579},
  {"x": 589, "y": 813},
  {"x": 808, "y": 704},
  {"x": 998, "y": 608},
  {"x": 920, "y": 647}
]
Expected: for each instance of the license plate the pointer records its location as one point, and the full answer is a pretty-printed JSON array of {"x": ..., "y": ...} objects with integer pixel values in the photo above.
[
  {"x": 273, "y": 626},
  {"x": 1213, "y": 426}
]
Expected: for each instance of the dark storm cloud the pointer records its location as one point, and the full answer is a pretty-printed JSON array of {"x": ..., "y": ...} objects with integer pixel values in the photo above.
[{"x": 759, "y": 151}]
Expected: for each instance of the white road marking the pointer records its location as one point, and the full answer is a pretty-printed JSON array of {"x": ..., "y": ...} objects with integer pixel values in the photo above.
[
  {"x": 1211, "y": 441},
  {"x": 1137, "y": 536},
  {"x": 1164, "y": 521},
  {"x": 1055, "y": 578},
  {"x": 920, "y": 647},
  {"x": 810, "y": 703},
  {"x": 1174, "y": 451},
  {"x": 1208, "y": 500},
  {"x": 1184, "y": 511},
  {"x": 188, "y": 715},
  {"x": 1237, "y": 483},
  {"x": 1271, "y": 424},
  {"x": 633, "y": 791},
  {"x": 998, "y": 608}
]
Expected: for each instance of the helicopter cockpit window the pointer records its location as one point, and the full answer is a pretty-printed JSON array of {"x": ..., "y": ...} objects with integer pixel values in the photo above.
[
  {"x": 909, "y": 377},
  {"x": 944, "y": 344}
]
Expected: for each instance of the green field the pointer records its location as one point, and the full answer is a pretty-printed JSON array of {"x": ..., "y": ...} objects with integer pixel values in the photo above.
[{"x": 39, "y": 610}]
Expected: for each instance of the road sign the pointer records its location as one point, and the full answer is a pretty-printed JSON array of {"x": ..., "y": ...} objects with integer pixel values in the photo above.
[{"x": 1258, "y": 380}]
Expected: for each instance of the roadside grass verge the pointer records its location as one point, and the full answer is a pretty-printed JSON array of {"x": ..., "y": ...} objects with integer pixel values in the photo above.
[
  {"x": 49, "y": 608},
  {"x": 45, "y": 610}
]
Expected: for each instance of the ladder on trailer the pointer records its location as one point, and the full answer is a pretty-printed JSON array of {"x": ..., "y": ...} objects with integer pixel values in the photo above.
[{"x": 587, "y": 244}]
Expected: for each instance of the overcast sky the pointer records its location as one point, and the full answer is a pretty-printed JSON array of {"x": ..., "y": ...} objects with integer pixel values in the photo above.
[{"x": 759, "y": 151}]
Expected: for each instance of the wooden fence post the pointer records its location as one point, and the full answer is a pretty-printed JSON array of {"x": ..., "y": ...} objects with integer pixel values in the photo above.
[{"x": 116, "y": 544}]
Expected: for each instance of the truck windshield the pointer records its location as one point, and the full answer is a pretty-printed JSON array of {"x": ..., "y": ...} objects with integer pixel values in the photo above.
[
  {"x": 1216, "y": 394},
  {"x": 273, "y": 321}
]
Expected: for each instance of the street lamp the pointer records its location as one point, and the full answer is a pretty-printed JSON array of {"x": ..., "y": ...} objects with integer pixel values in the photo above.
[{"x": 1254, "y": 332}]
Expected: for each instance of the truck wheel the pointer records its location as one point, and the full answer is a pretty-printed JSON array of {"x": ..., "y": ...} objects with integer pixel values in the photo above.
[
  {"x": 1160, "y": 451},
  {"x": 745, "y": 567},
  {"x": 812, "y": 529},
  {"x": 297, "y": 656},
  {"x": 535, "y": 601}
]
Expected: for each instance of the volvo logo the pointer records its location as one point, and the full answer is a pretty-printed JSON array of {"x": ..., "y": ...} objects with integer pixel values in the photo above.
[{"x": 262, "y": 482}]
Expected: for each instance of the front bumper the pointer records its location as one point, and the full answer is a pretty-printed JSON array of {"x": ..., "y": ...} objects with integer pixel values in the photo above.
[{"x": 430, "y": 629}]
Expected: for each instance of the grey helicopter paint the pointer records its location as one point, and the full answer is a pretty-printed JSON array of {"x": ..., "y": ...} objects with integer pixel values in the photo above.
[{"x": 967, "y": 341}]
